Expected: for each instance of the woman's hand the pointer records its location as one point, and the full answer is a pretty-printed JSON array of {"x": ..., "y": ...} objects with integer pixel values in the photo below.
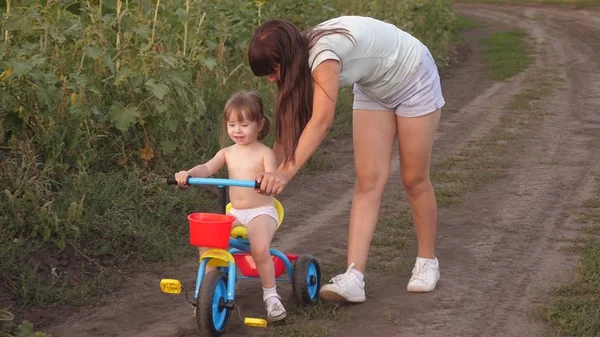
[
  {"x": 181, "y": 178},
  {"x": 272, "y": 183}
]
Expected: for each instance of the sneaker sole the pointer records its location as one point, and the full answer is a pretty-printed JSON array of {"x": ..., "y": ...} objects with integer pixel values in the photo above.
[
  {"x": 421, "y": 290},
  {"x": 333, "y": 296},
  {"x": 276, "y": 319},
  {"x": 417, "y": 290}
]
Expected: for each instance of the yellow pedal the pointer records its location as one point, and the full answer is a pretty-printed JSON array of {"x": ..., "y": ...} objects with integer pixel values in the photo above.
[
  {"x": 255, "y": 322},
  {"x": 170, "y": 286}
]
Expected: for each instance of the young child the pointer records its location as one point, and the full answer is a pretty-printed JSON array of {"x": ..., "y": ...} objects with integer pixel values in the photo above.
[{"x": 245, "y": 123}]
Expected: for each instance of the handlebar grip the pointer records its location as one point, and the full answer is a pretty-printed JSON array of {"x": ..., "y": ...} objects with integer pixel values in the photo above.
[{"x": 171, "y": 180}]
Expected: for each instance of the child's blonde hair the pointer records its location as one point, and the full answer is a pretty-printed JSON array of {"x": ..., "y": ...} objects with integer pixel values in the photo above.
[{"x": 245, "y": 106}]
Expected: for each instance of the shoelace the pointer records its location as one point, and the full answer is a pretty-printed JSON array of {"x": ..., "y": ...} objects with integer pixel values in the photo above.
[
  {"x": 421, "y": 272},
  {"x": 344, "y": 278}
]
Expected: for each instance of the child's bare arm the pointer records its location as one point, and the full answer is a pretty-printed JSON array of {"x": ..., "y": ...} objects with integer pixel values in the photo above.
[
  {"x": 210, "y": 167},
  {"x": 270, "y": 161}
]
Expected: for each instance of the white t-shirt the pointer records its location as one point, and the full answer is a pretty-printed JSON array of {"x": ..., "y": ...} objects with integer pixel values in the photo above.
[{"x": 380, "y": 60}]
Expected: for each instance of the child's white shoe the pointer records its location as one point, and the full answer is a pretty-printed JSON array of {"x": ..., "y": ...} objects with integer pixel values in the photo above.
[{"x": 275, "y": 310}]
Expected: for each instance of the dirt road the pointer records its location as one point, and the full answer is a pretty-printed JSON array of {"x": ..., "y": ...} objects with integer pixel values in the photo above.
[{"x": 499, "y": 248}]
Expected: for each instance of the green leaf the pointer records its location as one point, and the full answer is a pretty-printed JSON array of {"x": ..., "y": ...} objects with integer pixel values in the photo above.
[
  {"x": 170, "y": 60},
  {"x": 109, "y": 63},
  {"x": 172, "y": 125},
  {"x": 209, "y": 63},
  {"x": 46, "y": 233},
  {"x": 110, "y": 4},
  {"x": 160, "y": 108},
  {"x": 76, "y": 30},
  {"x": 242, "y": 39},
  {"x": 61, "y": 244},
  {"x": 179, "y": 77},
  {"x": 143, "y": 31},
  {"x": 80, "y": 79},
  {"x": 92, "y": 51},
  {"x": 18, "y": 23},
  {"x": 200, "y": 106},
  {"x": 122, "y": 117},
  {"x": 19, "y": 68},
  {"x": 58, "y": 37},
  {"x": 181, "y": 15},
  {"x": 50, "y": 78},
  {"x": 25, "y": 329},
  {"x": 37, "y": 60},
  {"x": 158, "y": 89},
  {"x": 127, "y": 22},
  {"x": 48, "y": 95},
  {"x": 123, "y": 75},
  {"x": 168, "y": 146}
]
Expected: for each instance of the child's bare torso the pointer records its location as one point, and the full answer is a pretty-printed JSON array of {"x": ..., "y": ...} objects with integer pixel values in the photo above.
[{"x": 246, "y": 163}]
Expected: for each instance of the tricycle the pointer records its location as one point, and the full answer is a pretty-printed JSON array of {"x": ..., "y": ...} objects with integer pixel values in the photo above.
[{"x": 214, "y": 292}]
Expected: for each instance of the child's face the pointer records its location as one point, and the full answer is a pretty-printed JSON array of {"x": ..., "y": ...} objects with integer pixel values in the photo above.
[{"x": 243, "y": 132}]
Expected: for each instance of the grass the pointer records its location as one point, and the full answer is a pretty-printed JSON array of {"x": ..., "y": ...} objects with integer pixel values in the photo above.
[
  {"x": 506, "y": 53},
  {"x": 129, "y": 221},
  {"x": 393, "y": 244},
  {"x": 592, "y": 202},
  {"x": 298, "y": 330},
  {"x": 295, "y": 322},
  {"x": 460, "y": 25},
  {"x": 575, "y": 309},
  {"x": 463, "y": 23}
]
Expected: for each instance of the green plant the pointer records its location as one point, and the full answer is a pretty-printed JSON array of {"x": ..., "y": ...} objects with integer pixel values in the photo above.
[{"x": 9, "y": 329}]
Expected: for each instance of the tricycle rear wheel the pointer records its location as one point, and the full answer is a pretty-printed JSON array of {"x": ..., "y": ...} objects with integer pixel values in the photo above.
[
  {"x": 306, "y": 280},
  {"x": 211, "y": 314}
]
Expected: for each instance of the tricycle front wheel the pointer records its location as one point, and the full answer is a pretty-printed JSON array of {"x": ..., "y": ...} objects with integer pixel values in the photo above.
[
  {"x": 212, "y": 315},
  {"x": 306, "y": 280}
]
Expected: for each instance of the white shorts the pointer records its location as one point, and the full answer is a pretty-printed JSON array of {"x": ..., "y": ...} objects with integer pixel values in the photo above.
[
  {"x": 421, "y": 95},
  {"x": 244, "y": 216}
]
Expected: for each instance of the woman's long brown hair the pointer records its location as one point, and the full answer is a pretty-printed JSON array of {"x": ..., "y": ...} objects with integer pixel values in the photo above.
[{"x": 279, "y": 44}]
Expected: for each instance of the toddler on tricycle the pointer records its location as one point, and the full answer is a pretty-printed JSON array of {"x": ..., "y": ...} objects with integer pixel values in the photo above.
[{"x": 247, "y": 225}]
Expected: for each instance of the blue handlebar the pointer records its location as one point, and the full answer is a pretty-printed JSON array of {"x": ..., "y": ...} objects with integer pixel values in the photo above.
[
  {"x": 217, "y": 182},
  {"x": 222, "y": 182}
]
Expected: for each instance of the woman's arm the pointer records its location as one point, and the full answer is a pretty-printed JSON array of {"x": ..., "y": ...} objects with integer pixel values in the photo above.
[{"x": 326, "y": 87}]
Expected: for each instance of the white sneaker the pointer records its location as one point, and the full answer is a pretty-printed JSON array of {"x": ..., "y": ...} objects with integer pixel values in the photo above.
[
  {"x": 344, "y": 288},
  {"x": 426, "y": 275}
]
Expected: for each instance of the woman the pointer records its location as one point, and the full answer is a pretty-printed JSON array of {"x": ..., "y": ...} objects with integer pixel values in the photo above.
[{"x": 396, "y": 93}]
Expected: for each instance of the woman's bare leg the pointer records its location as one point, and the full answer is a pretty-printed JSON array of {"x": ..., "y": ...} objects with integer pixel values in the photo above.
[
  {"x": 374, "y": 133},
  {"x": 415, "y": 140}
]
